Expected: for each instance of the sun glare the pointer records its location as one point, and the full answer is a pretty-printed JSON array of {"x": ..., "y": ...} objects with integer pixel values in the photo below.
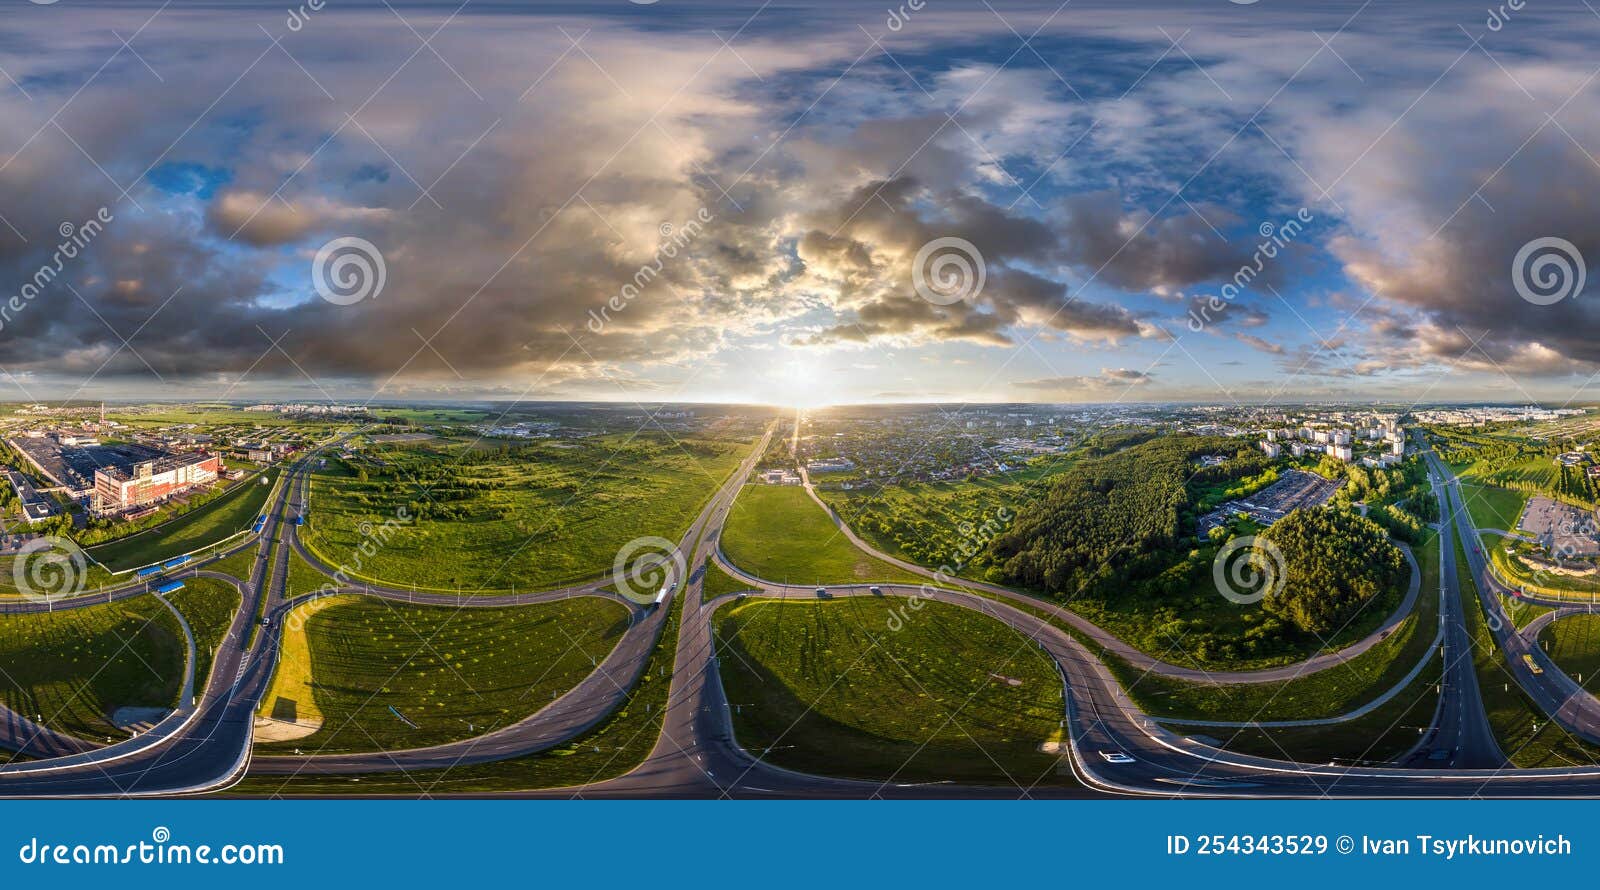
[{"x": 801, "y": 382}]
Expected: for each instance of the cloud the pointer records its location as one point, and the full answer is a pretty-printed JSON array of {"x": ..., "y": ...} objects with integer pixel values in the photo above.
[
  {"x": 524, "y": 186},
  {"x": 1108, "y": 381}
]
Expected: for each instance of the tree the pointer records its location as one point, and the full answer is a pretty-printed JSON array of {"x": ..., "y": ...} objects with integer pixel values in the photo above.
[{"x": 1334, "y": 563}]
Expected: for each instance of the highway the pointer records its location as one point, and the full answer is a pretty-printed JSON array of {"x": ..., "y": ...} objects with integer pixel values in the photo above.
[
  {"x": 1461, "y": 736},
  {"x": 1557, "y": 694},
  {"x": 696, "y": 754}
]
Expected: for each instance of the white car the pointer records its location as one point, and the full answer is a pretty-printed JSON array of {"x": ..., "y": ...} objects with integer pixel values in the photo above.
[
  {"x": 1116, "y": 757},
  {"x": 822, "y": 591}
]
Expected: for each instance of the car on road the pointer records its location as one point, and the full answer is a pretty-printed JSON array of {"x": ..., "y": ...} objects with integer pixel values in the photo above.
[
  {"x": 876, "y": 591},
  {"x": 1115, "y": 757}
]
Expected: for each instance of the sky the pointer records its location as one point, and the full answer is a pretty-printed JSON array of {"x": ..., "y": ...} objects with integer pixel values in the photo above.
[{"x": 800, "y": 204}]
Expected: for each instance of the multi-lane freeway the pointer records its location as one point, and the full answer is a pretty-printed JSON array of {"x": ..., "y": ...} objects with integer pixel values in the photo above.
[{"x": 205, "y": 745}]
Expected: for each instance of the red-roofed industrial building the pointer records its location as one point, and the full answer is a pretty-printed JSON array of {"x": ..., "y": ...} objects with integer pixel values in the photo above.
[{"x": 117, "y": 490}]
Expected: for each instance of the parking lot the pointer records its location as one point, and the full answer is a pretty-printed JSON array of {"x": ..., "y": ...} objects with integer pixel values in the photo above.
[
  {"x": 1295, "y": 489},
  {"x": 1564, "y": 530}
]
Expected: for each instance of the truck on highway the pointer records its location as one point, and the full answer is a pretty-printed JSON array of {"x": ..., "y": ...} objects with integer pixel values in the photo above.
[{"x": 1532, "y": 665}]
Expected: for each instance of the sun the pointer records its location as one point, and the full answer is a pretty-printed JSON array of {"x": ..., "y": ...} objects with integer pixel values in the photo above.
[{"x": 801, "y": 382}]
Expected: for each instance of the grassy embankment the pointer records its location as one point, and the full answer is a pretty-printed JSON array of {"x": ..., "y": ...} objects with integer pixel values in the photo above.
[
  {"x": 386, "y": 676},
  {"x": 227, "y": 515},
  {"x": 1574, "y": 644},
  {"x": 209, "y": 606},
  {"x": 777, "y": 532},
  {"x": 75, "y": 667},
  {"x": 615, "y": 746},
  {"x": 831, "y": 688},
  {"x": 718, "y": 582}
]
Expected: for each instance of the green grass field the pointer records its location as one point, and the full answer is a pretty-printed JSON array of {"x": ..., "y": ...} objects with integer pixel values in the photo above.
[
  {"x": 303, "y": 578},
  {"x": 454, "y": 673},
  {"x": 208, "y": 605},
  {"x": 778, "y": 533},
  {"x": 828, "y": 687},
  {"x": 1492, "y": 506},
  {"x": 1521, "y": 611},
  {"x": 541, "y": 516},
  {"x": 1326, "y": 693},
  {"x": 94, "y": 578},
  {"x": 238, "y": 565},
  {"x": 1574, "y": 644},
  {"x": 231, "y": 513},
  {"x": 74, "y": 668},
  {"x": 1386, "y": 733},
  {"x": 717, "y": 582},
  {"x": 617, "y": 745},
  {"x": 939, "y": 524},
  {"x": 1536, "y": 471}
]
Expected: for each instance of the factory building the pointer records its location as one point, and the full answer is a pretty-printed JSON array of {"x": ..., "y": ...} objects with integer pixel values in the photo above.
[{"x": 118, "y": 489}]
